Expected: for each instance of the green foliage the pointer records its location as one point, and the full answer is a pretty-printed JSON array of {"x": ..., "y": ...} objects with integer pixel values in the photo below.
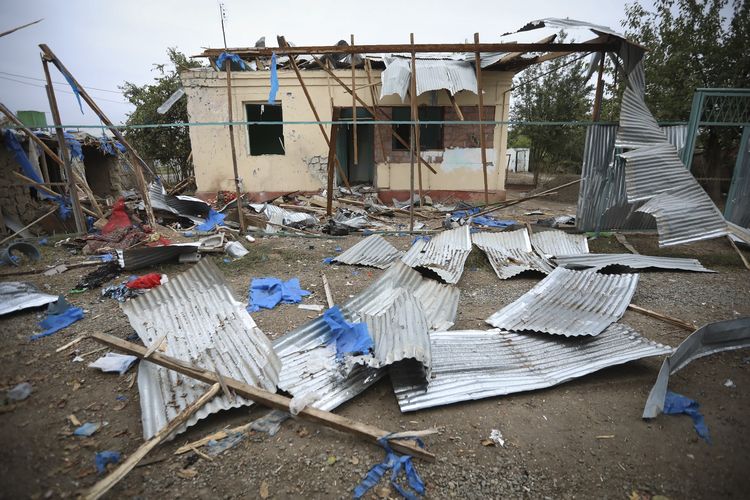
[
  {"x": 691, "y": 44},
  {"x": 166, "y": 148},
  {"x": 519, "y": 141},
  {"x": 553, "y": 91}
]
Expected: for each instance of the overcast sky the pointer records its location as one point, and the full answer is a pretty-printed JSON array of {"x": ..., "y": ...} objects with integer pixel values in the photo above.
[{"x": 107, "y": 43}]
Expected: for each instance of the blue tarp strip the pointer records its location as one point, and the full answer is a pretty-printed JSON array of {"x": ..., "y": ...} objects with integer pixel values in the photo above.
[
  {"x": 350, "y": 338},
  {"x": 676, "y": 404},
  {"x": 267, "y": 293},
  {"x": 274, "y": 80},
  {"x": 396, "y": 463}
]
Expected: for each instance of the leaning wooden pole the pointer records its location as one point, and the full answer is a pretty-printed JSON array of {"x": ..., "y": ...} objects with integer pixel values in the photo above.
[
  {"x": 375, "y": 106},
  {"x": 355, "y": 159},
  {"x": 478, "y": 64},
  {"x": 411, "y": 179},
  {"x": 268, "y": 399},
  {"x": 597, "y": 111},
  {"x": 335, "y": 114},
  {"x": 415, "y": 150},
  {"x": 235, "y": 169},
  {"x": 64, "y": 153},
  {"x": 106, "y": 484}
]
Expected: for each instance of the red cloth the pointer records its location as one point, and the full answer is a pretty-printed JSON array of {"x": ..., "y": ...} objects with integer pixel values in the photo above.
[
  {"x": 146, "y": 281},
  {"x": 118, "y": 219}
]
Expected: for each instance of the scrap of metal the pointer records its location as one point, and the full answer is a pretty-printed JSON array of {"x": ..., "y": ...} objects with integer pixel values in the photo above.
[
  {"x": 191, "y": 208},
  {"x": 194, "y": 317},
  {"x": 554, "y": 242},
  {"x": 709, "y": 339},
  {"x": 597, "y": 261},
  {"x": 510, "y": 253},
  {"x": 308, "y": 354},
  {"x": 475, "y": 364},
  {"x": 444, "y": 255},
  {"x": 373, "y": 251},
  {"x": 137, "y": 258},
  {"x": 17, "y": 296},
  {"x": 570, "y": 303}
]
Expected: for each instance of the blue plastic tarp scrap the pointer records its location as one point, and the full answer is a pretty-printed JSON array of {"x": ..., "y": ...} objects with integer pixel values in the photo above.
[
  {"x": 102, "y": 458},
  {"x": 221, "y": 60},
  {"x": 350, "y": 338},
  {"x": 677, "y": 404},
  {"x": 76, "y": 150},
  {"x": 267, "y": 293},
  {"x": 60, "y": 315},
  {"x": 274, "y": 80},
  {"x": 395, "y": 463},
  {"x": 75, "y": 90},
  {"x": 483, "y": 220},
  {"x": 214, "y": 219}
]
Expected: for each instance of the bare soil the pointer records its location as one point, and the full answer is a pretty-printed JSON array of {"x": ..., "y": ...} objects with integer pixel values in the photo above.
[{"x": 583, "y": 439}]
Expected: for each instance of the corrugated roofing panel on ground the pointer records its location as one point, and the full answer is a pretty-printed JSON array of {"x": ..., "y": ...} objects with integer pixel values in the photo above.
[
  {"x": 473, "y": 364},
  {"x": 598, "y": 261},
  {"x": 570, "y": 303},
  {"x": 195, "y": 318},
  {"x": 309, "y": 358},
  {"x": 555, "y": 242},
  {"x": 510, "y": 253},
  {"x": 444, "y": 255},
  {"x": 373, "y": 251},
  {"x": 17, "y": 295}
]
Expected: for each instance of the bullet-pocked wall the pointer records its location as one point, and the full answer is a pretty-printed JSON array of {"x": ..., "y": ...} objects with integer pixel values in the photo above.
[{"x": 295, "y": 158}]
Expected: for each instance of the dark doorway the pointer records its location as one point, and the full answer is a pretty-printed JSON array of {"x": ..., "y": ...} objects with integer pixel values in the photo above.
[
  {"x": 97, "y": 166},
  {"x": 363, "y": 170}
]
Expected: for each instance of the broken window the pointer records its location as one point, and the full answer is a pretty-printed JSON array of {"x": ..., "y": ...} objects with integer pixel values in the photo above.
[
  {"x": 430, "y": 136},
  {"x": 265, "y": 139}
]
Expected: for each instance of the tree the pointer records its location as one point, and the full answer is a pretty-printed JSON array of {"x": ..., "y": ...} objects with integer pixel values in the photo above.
[
  {"x": 166, "y": 148},
  {"x": 557, "y": 90}
]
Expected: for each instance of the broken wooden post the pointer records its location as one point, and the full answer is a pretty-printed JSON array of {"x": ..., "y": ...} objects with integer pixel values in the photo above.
[
  {"x": 411, "y": 179},
  {"x": 373, "y": 111},
  {"x": 355, "y": 159},
  {"x": 597, "y": 111},
  {"x": 415, "y": 150},
  {"x": 335, "y": 114},
  {"x": 137, "y": 162},
  {"x": 669, "y": 319},
  {"x": 122, "y": 470},
  {"x": 268, "y": 399},
  {"x": 478, "y": 64},
  {"x": 282, "y": 43},
  {"x": 237, "y": 181},
  {"x": 64, "y": 153},
  {"x": 456, "y": 107},
  {"x": 327, "y": 289},
  {"x": 375, "y": 106}
]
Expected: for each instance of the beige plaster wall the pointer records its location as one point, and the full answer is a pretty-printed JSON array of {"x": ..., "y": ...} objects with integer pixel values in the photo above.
[{"x": 302, "y": 167}]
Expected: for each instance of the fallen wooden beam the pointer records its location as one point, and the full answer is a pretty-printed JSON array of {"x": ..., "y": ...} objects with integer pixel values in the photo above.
[
  {"x": 668, "y": 319},
  {"x": 122, "y": 470},
  {"x": 270, "y": 400},
  {"x": 329, "y": 295}
]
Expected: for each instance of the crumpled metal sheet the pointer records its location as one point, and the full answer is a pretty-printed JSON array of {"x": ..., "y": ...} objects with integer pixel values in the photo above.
[
  {"x": 443, "y": 255},
  {"x": 570, "y": 303},
  {"x": 474, "y": 364},
  {"x": 510, "y": 253},
  {"x": 17, "y": 296},
  {"x": 138, "y": 258},
  {"x": 308, "y": 355},
  {"x": 278, "y": 215},
  {"x": 709, "y": 339},
  {"x": 597, "y": 261},
  {"x": 432, "y": 74},
  {"x": 683, "y": 211},
  {"x": 554, "y": 242},
  {"x": 185, "y": 206},
  {"x": 373, "y": 251},
  {"x": 195, "y": 318}
]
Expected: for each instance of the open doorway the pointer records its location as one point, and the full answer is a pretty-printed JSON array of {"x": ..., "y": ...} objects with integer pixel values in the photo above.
[{"x": 362, "y": 169}]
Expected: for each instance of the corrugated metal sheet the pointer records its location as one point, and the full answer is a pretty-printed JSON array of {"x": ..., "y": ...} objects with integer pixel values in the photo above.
[
  {"x": 373, "y": 251},
  {"x": 473, "y": 364},
  {"x": 432, "y": 74},
  {"x": 510, "y": 253},
  {"x": 683, "y": 211},
  {"x": 444, "y": 255},
  {"x": 570, "y": 303},
  {"x": 308, "y": 358},
  {"x": 186, "y": 206},
  {"x": 278, "y": 215},
  {"x": 555, "y": 242},
  {"x": 195, "y": 318},
  {"x": 709, "y": 339},
  {"x": 737, "y": 208},
  {"x": 17, "y": 295},
  {"x": 598, "y": 261},
  {"x": 138, "y": 258}
]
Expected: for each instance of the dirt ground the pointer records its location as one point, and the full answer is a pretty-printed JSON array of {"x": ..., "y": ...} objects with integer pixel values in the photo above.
[{"x": 582, "y": 439}]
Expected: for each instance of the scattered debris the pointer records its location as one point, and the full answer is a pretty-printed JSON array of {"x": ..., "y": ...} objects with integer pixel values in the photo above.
[
  {"x": 113, "y": 362},
  {"x": 59, "y": 315},
  {"x": 19, "y": 392},
  {"x": 86, "y": 430},
  {"x": 729, "y": 383},
  {"x": 676, "y": 404},
  {"x": 17, "y": 296},
  {"x": 312, "y": 307},
  {"x": 267, "y": 293},
  {"x": 9, "y": 254},
  {"x": 495, "y": 439},
  {"x": 104, "y": 458},
  {"x": 235, "y": 250}
]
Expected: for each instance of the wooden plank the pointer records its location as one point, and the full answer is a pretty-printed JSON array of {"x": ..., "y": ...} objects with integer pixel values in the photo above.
[
  {"x": 597, "y": 111},
  {"x": 610, "y": 45},
  {"x": 372, "y": 111},
  {"x": 668, "y": 319},
  {"x": 415, "y": 150},
  {"x": 138, "y": 163},
  {"x": 375, "y": 106},
  {"x": 235, "y": 168},
  {"x": 335, "y": 114},
  {"x": 24, "y": 228},
  {"x": 270, "y": 400},
  {"x": 456, "y": 107},
  {"x": 124, "y": 468},
  {"x": 62, "y": 146},
  {"x": 480, "y": 95},
  {"x": 4, "y": 33},
  {"x": 311, "y": 103},
  {"x": 515, "y": 55},
  {"x": 327, "y": 288},
  {"x": 354, "y": 108}
]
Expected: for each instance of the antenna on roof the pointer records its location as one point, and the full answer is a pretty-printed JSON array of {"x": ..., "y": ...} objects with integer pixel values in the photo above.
[{"x": 223, "y": 15}]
